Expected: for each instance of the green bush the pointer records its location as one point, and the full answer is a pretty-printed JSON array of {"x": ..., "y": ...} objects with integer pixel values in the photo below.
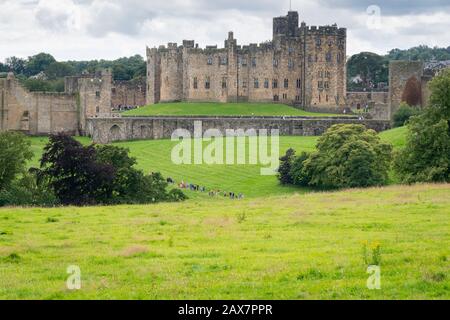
[
  {"x": 404, "y": 113},
  {"x": 426, "y": 157},
  {"x": 28, "y": 191},
  {"x": 348, "y": 156},
  {"x": 15, "y": 152},
  {"x": 284, "y": 171},
  {"x": 299, "y": 176}
]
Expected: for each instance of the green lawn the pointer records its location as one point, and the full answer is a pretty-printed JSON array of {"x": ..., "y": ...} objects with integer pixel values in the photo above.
[
  {"x": 222, "y": 109},
  {"x": 155, "y": 155},
  {"x": 290, "y": 247}
]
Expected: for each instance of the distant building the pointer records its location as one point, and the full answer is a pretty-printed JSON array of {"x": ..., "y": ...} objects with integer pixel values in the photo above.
[{"x": 302, "y": 65}]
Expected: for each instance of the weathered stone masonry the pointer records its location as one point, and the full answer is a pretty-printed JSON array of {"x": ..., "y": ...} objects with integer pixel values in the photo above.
[
  {"x": 302, "y": 65},
  {"x": 106, "y": 130}
]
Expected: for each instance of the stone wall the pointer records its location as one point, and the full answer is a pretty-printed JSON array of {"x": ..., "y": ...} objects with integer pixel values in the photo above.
[
  {"x": 43, "y": 113},
  {"x": 362, "y": 98},
  {"x": 106, "y": 130},
  {"x": 128, "y": 93},
  {"x": 400, "y": 74},
  {"x": 36, "y": 113}
]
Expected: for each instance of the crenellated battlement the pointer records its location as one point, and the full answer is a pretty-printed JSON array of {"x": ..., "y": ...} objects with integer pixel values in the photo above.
[{"x": 291, "y": 68}]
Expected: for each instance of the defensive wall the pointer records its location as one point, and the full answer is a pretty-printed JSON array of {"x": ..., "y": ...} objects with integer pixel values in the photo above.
[{"x": 106, "y": 130}]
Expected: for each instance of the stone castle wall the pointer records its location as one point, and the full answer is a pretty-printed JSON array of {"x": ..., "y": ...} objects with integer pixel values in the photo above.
[
  {"x": 34, "y": 112},
  {"x": 303, "y": 66},
  {"x": 43, "y": 113},
  {"x": 128, "y": 93},
  {"x": 400, "y": 73},
  {"x": 106, "y": 130}
]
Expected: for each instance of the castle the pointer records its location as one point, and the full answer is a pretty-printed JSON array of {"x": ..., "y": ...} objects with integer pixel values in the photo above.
[{"x": 302, "y": 65}]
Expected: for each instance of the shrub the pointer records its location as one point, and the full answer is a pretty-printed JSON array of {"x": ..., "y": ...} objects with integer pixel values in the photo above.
[
  {"x": 28, "y": 191},
  {"x": 348, "y": 156},
  {"x": 284, "y": 171},
  {"x": 15, "y": 152},
  {"x": 299, "y": 176},
  {"x": 99, "y": 175},
  {"x": 404, "y": 113},
  {"x": 426, "y": 157}
]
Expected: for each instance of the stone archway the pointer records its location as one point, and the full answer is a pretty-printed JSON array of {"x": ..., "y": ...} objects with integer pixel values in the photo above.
[
  {"x": 114, "y": 133},
  {"x": 412, "y": 94}
]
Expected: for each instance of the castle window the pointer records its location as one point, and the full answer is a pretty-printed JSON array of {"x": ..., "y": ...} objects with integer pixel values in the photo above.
[
  {"x": 266, "y": 83},
  {"x": 208, "y": 83},
  {"x": 284, "y": 96},
  {"x": 330, "y": 43},
  {"x": 275, "y": 63},
  {"x": 320, "y": 98},
  {"x": 253, "y": 62},
  {"x": 328, "y": 57},
  {"x": 244, "y": 84},
  {"x": 290, "y": 64},
  {"x": 276, "y": 98},
  {"x": 244, "y": 62},
  {"x": 113, "y": 90},
  {"x": 256, "y": 83},
  {"x": 275, "y": 84},
  {"x": 339, "y": 57},
  {"x": 286, "y": 83},
  {"x": 97, "y": 109},
  {"x": 297, "y": 98},
  {"x": 320, "y": 84},
  {"x": 97, "y": 94},
  {"x": 291, "y": 50},
  {"x": 326, "y": 98},
  {"x": 299, "y": 83},
  {"x": 327, "y": 85},
  {"x": 195, "y": 83},
  {"x": 224, "y": 83},
  {"x": 318, "y": 42},
  {"x": 224, "y": 61},
  {"x": 328, "y": 74},
  {"x": 210, "y": 61}
]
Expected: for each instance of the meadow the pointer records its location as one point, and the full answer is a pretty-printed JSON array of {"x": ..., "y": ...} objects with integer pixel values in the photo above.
[
  {"x": 155, "y": 155},
  {"x": 286, "y": 247},
  {"x": 277, "y": 243},
  {"x": 222, "y": 109}
]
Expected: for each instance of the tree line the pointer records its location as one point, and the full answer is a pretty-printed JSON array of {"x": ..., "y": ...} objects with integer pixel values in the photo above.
[
  {"x": 42, "y": 72},
  {"x": 366, "y": 70}
]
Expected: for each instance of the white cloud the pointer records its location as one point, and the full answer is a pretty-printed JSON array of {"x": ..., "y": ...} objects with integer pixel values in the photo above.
[{"x": 95, "y": 29}]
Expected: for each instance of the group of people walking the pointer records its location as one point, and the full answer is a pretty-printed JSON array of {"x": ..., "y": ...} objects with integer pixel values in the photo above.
[{"x": 211, "y": 193}]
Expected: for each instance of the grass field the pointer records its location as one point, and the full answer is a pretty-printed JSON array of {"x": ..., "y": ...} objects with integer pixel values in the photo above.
[
  {"x": 222, "y": 109},
  {"x": 155, "y": 155},
  {"x": 290, "y": 247}
]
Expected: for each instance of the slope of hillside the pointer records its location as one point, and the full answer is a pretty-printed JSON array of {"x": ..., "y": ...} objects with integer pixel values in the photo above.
[{"x": 292, "y": 247}]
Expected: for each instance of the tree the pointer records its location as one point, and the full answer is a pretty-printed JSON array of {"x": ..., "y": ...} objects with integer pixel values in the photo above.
[
  {"x": 440, "y": 94},
  {"x": 57, "y": 70},
  {"x": 74, "y": 174},
  {"x": 16, "y": 65},
  {"x": 38, "y": 63},
  {"x": 404, "y": 113},
  {"x": 15, "y": 152},
  {"x": 299, "y": 177},
  {"x": 3, "y": 67},
  {"x": 371, "y": 67},
  {"x": 284, "y": 171},
  {"x": 426, "y": 157},
  {"x": 348, "y": 156}
]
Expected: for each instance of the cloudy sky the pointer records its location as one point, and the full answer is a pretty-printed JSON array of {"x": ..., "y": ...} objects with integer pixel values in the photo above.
[{"x": 94, "y": 29}]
